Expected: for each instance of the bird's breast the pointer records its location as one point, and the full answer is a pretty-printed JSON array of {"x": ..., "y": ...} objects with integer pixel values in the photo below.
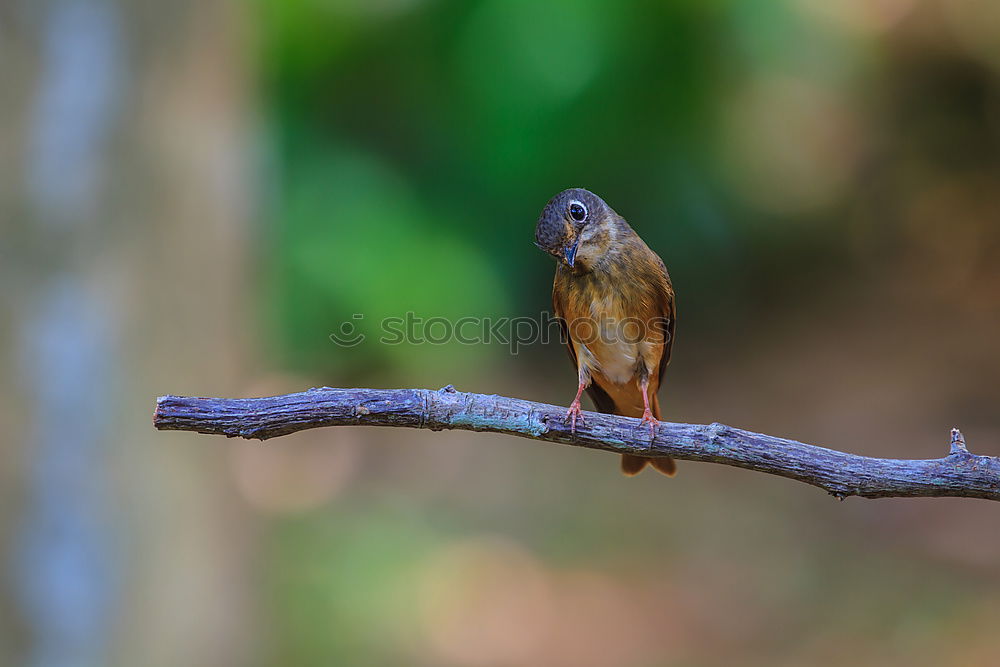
[
  {"x": 616, "y": 362},
  {"x": 608, "y": 336}
]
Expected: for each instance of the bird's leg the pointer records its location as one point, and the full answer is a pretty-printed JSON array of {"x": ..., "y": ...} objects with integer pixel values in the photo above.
[
  {"x": 574, "y": 411},
  {"x": 647, "y": 414}
]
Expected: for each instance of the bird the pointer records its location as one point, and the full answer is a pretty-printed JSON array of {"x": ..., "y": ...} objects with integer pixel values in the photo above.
[{"x": 615, "y": 302}]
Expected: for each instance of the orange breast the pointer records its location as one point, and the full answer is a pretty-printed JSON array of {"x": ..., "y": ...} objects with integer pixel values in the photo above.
[{"x": 612, "y": 326}]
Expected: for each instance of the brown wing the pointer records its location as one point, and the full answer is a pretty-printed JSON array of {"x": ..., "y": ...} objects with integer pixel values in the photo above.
[
  {"x": 668, "y": 306},
  {"x": 560, "y": 312}
]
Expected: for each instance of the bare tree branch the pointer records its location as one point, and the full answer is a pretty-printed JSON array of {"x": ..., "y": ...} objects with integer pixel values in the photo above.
[{"x": 960, "y": 473}]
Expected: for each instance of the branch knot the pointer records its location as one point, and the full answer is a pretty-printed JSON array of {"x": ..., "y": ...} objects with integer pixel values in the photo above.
[{"x": 958, "y": 443}]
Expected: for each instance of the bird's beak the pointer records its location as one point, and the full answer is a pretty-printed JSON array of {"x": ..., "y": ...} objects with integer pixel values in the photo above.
[{"x": 569, "y": 253}]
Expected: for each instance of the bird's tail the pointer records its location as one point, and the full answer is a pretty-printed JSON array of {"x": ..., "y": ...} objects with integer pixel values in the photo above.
[{"x": 633, "y": 465}]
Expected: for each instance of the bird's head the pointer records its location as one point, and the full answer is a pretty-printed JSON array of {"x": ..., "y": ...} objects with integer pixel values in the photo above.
[{"x": 577, "y": 228}]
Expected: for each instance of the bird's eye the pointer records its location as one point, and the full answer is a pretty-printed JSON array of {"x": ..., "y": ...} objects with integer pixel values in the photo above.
[{"x": 577, "y": 211}]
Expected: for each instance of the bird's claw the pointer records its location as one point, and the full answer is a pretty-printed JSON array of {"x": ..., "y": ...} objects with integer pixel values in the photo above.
[
  {"x": 648, "y": 418},
  {"x": 573, "y": 414}
]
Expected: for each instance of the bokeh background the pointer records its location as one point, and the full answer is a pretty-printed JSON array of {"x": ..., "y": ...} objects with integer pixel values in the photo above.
[{"x": 195, "y": 194}]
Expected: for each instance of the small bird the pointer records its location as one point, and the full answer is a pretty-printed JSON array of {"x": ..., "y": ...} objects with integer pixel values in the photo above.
[{"x": 615, "y": 302}]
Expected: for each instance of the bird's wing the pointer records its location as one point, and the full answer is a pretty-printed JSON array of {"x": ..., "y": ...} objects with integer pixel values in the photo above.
[
  {"x": 667, "y": 305},
  {"x": 559, "y": 310}
]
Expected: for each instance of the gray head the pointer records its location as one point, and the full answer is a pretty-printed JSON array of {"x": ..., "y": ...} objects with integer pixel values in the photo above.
[{"x": 564, "y": 219}]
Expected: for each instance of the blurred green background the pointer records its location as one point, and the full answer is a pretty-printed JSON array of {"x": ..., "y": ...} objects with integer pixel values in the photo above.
[{"x": 196, "y": 194}]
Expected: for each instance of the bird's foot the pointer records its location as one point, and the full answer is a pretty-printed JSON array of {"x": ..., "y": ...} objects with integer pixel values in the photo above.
[
  {"x": 573, "y": 414},
  {"x": 648, "y": 418}
]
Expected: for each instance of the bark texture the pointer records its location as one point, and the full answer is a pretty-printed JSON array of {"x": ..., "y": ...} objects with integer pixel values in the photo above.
[{"x": 960, "y": 473}]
